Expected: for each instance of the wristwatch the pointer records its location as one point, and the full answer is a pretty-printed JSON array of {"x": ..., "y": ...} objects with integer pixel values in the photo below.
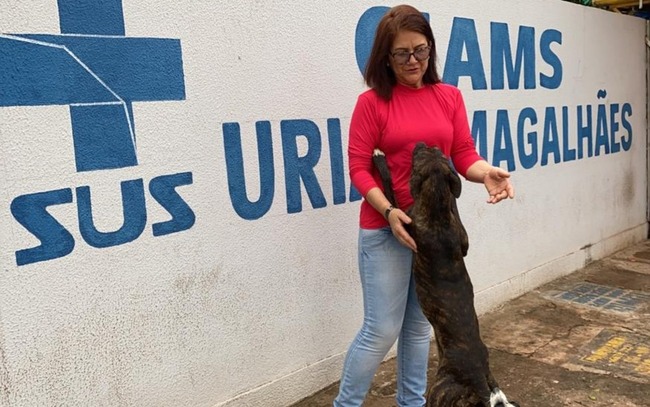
[{"x": 387, "y": 211}]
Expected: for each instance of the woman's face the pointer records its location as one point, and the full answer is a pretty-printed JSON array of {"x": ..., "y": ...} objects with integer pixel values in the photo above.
[{"x": 409, "y": 71}]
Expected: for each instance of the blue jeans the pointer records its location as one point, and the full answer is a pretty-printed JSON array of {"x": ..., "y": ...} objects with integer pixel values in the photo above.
[{"x": 391, "y": 312}]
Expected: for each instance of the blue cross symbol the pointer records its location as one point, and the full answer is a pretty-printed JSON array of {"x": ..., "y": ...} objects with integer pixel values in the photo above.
[{"x": 96, "y": 70}]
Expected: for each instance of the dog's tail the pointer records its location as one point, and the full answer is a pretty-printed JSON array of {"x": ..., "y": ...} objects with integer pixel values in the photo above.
[
  {"x": 379, "y": 160},
  {"x": 499, "y": 399}
]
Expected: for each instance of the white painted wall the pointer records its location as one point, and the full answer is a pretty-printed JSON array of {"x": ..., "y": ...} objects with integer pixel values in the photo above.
[{"x": 236, "y": 312}]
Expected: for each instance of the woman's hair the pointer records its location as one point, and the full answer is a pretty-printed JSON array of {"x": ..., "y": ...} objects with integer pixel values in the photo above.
[{"x": 379, "y": 75}]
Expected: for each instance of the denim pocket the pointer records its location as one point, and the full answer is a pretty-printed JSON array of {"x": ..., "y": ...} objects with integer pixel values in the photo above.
[{"x": 374, "y": 239}]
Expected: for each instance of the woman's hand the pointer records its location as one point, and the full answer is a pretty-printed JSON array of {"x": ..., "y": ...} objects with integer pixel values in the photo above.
[
  {"x": 497, "y": 183},
  {"x": 397, "y": 218}
]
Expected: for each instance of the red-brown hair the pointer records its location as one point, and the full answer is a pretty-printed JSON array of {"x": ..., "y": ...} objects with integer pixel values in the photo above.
[{"x": 378, "y": 75}]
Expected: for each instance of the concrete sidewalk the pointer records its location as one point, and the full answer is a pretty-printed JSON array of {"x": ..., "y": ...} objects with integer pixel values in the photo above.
[{"x": 582, "y": 340}]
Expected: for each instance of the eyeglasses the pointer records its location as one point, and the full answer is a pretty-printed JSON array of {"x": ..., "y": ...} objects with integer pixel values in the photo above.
[{"x": 403, "y": 57}]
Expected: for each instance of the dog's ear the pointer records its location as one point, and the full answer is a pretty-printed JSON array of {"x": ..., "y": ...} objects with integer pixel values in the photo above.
[{"x": 454, "y": 183}]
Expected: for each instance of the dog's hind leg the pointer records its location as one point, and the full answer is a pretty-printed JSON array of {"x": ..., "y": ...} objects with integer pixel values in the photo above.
[
  {"x": 464, "y": 239},
  {"x": 491, "y": 381},
  {"x": 446, "y": 392}
]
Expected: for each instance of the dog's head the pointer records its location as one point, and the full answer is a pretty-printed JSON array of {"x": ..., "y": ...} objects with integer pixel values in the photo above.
[{"x": 432, "y": 173}]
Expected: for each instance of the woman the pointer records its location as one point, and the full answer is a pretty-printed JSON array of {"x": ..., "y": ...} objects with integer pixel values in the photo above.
[{"x": 406, "y": 104}]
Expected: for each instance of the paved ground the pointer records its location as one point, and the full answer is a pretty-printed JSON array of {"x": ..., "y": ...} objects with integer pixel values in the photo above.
[{"x": 582, "y": 340}]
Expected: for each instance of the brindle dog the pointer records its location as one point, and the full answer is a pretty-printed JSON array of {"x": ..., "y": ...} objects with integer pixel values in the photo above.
[{"x": 443, "y": 285}]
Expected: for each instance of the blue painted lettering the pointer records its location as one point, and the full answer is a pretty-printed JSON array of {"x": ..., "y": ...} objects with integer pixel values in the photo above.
[
  {"x": 626, "y": 112},
  {"x": 31, "y": 211},
  {"x": 464, "y": 37},
  {"x": 479, "y": 132},
  {"x": 602, "y": 136},
  {"x": 528, "y": 160},
  {"x": 614, "y": 127},
  {"x": 549, "y": 37},
  {"x": 133, "y": 209},
  {"x": 585, "y": 131},
  {"x": 503, "y": 65},
  {"x": 298, "y": 168},
  {"x": 337, "y": 165},
  {"x": 568, "y": 153},
  {"x": 301, "y": 150},
  {"x": 503, "y": 142},
  {"x": 551, "y": 141},
  {"x": 336, "y": 160},
  {"x": 56, "y": 241},
  {"x": 235, "y": 170},
  {"x": 163, "y": 190},
  {"x": 501, "y": 55}
]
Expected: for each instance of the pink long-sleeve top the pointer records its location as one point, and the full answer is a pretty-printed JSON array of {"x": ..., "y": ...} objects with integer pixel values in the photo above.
[{"x": 433, "y": 114}]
